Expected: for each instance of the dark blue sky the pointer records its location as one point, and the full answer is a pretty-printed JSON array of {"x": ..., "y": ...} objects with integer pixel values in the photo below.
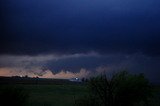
[
  {"x": 68, "y": 27},
  {"x": 73, "y": 26}
]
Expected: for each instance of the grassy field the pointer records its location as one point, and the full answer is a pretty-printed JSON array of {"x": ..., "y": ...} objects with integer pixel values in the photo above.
[
  {"x": 62, "y": 95},
  {"x": 54, "y": 95},
  {"x": 54, "y": 92},
  {"x": 44, "y": 92}
]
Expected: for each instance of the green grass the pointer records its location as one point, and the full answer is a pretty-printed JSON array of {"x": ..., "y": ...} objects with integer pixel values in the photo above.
[
  {"x": 54, "y": 95},
  {"x": 62, "y": 95}
]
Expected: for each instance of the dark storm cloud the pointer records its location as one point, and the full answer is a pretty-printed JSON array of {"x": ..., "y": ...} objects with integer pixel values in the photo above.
[
  {"x": 75, "y": 63},
  {"x": 77, "y": 26}
]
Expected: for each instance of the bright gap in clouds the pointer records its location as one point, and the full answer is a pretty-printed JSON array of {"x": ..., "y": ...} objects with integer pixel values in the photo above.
[
  {"x": 44, "y": 74},
  {"x": 78, "y": 65},
  {"x": 36, "y": 66}
]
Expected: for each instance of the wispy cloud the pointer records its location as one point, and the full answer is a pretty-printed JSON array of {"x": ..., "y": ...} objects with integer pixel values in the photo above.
[
  {"x": 67, "y": 74},
  {"x": 25, "y": 60}
]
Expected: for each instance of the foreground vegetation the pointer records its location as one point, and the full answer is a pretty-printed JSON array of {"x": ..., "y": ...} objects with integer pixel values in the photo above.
[
  {"x": 122, "y": 89},
  {"x": 45, "y": 95}
]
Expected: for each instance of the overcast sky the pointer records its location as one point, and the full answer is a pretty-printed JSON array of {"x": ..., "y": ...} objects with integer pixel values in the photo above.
[{"x": 72, "y": 35}]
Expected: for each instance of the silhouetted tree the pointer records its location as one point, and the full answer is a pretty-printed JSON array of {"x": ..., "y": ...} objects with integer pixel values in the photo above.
[{"x": 122, "y": 89}]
